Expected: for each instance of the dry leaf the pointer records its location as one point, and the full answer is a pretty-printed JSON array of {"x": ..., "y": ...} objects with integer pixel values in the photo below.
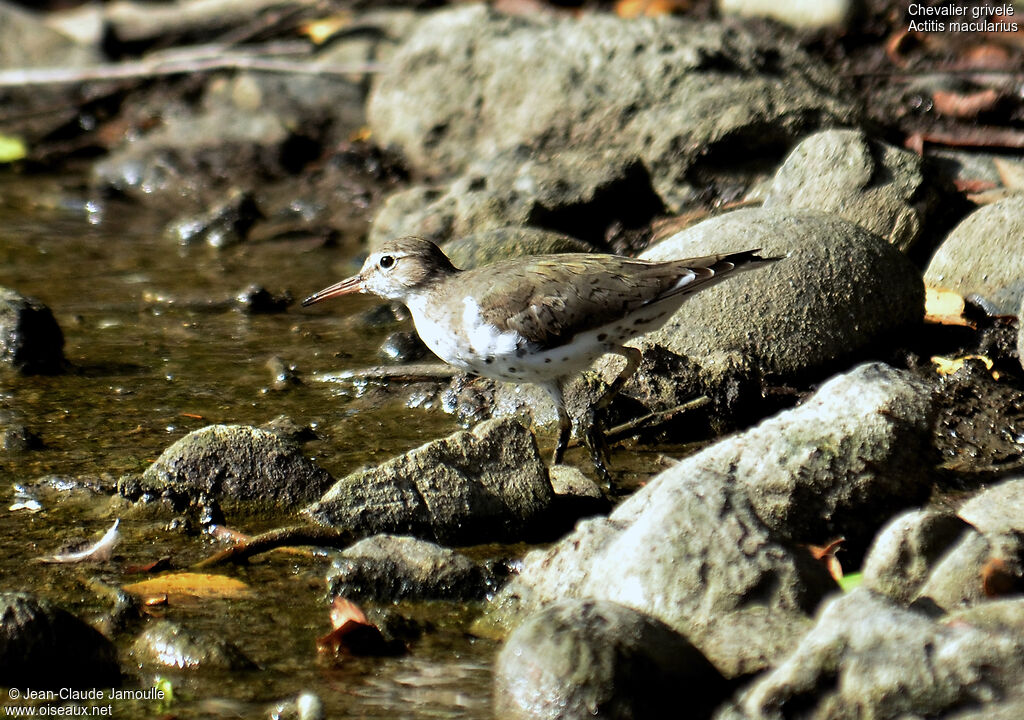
[
  {"x": 826, "y": 554},
  {"x": 649, "y": 8},
  {"x": 965, "y": 105},
  {"x": 998, "y": 578},
  {"x": 200, "y": 585},
  {"x": 353, "y": 634},
  {"x": 947, "y": 365},
  {"x": 1010, "y": 172},
  {"x": 973, "y": 186}
]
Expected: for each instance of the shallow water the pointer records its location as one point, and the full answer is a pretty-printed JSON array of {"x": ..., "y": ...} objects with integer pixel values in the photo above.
[{"x": 157, "y": 350}]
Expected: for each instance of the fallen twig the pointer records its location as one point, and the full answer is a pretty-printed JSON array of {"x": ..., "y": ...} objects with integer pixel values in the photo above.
[
  {"x": 181, "y": 63},
  {"x": 279, "y": 537}
]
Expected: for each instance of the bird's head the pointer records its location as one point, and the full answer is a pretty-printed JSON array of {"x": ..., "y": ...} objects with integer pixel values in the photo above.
[{"x": 396, "y": 270}]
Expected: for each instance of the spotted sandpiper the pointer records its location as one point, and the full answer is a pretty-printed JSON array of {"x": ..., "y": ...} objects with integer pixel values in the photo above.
[{"x": 538, "y": 319}]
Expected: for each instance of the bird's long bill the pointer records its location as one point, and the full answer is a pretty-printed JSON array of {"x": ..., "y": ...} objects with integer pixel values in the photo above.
[{"x": 348, "y": 286}]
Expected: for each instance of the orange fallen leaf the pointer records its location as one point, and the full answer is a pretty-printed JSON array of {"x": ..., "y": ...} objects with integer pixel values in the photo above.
[
  {"x": 973, "y": 186},
  {"x": 1010, "y": 172},
  {"x": 944, "y": 307},
  {"x": 965, "y": 105},
  {"x": 649, "y": 8},
  {"x": 826, "y": 554},
  {"x": 200, "y": 585},
  {"x": 353, "y": 634},
  {"x": 998, "y": 578}
]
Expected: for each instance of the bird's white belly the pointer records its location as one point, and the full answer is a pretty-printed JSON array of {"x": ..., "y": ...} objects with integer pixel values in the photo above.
[{"x": 470, "y": 343}]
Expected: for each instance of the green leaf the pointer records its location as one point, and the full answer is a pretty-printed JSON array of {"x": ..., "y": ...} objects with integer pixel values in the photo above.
[
  {"x": 11, "y": 148},
  {"x": 849, "y": 582}
]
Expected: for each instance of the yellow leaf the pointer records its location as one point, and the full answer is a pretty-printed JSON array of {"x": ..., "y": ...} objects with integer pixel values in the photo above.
[
  {"x": 360, "y": 135},
  {"x": 201, "y": 585},
  {"x": 649, "y": 8},
  {"x": 948, "y": 366},
  {"x": 944, "y": 307},
  {"x": 320, "y": 31},
  {"x": 11, "y": 148}
]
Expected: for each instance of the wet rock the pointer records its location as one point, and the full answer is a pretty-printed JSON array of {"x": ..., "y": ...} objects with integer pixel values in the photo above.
[
  {"x": 191, "y": 155},
  {"x": 282, "y": 375},
  {"x": 26, "y": 42},
  {"x": 957, "y": 579},
  {"x": 168, "y": 644},
  {"x": 1005, "y": 617},
  {"x": 45, "y": 647},
  {"x": 227, "y": 223},
  {"x": 667, "y": 92},
  {"x": 980, "y": 421},
  {"x": 984, "y": 255},
  {"x": 802, "y": 14},
  {"x": 571, "y": 192},
  {"x": 389, "y": 568},
  {"x": 838, "y": 291},
  {"x": 306, "y": 706},
  {"x": 576, "y": 495},
  {"x": 580, "y": 659},
  {"x": 868, "y": 657},
  {"x": 731, "y": 580},
  {"x": 906, "y": 552},
  {"x": 15, "y": 436},
  {"x": 30, "y": 339},
  {"x": 487, "y": 247},
  {"x": 257, "y": 300},
  {"x": 999, "y": 510},
  {"x": 402, "y": 347},
  {"x": 868, "y": 182},
  {"x": 234, "y": 464},
  {"x": 485, "y": 485},
  {"x": 867, "y": 462}
]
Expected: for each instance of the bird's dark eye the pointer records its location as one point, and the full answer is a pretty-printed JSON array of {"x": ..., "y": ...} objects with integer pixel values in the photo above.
[{"x": 386, "y": 261}]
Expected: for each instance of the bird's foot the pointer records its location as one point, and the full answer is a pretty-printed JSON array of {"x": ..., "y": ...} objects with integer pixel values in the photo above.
[{"x": 594, "y": 439}]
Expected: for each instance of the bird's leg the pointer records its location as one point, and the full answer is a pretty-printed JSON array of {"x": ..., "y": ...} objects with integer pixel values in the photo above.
[
  {"x": 564, "y": 422},
  {"x": 594, "y": 437}
]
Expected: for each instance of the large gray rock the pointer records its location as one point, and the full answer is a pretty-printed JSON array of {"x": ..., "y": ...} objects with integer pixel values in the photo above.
[
  {"x": 984, "y": 255},
  {"x": 389, "y": 568},
  {"x": 580, "y": 659},
  {"x": 234, "y": 464},
  {"x": 837, "y": 291},
  {"x": 957, "y": 578},
  {"x": 999, "y": 510},
  {"x": 44, "y": 646},
  {"x": 573, "y": 191},
  {"x": 26, "y": 42},
  {"x": 31, "y": 341},
  {"x": 479, "y": 486},
  {"x": 730, "y": 579},
  {"x": 470, "y": 83},
  {"x": 1020, "y": 333},
  {"x": 804, "y": 14},
  {"x": 868, "y": 657},
  {"x": 868, "y": 182},
  {"x": 905, "y": 553},
  {"x": 484, "y": 248}
]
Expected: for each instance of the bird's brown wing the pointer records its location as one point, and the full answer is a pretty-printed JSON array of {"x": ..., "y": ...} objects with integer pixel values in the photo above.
[{"x": 549, "y": 299}]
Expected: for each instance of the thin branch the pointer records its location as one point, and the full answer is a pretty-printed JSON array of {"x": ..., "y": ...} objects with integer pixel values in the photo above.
[
  {"x": 182, "y": 63},
  {"x": 279, "y": 537}
]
